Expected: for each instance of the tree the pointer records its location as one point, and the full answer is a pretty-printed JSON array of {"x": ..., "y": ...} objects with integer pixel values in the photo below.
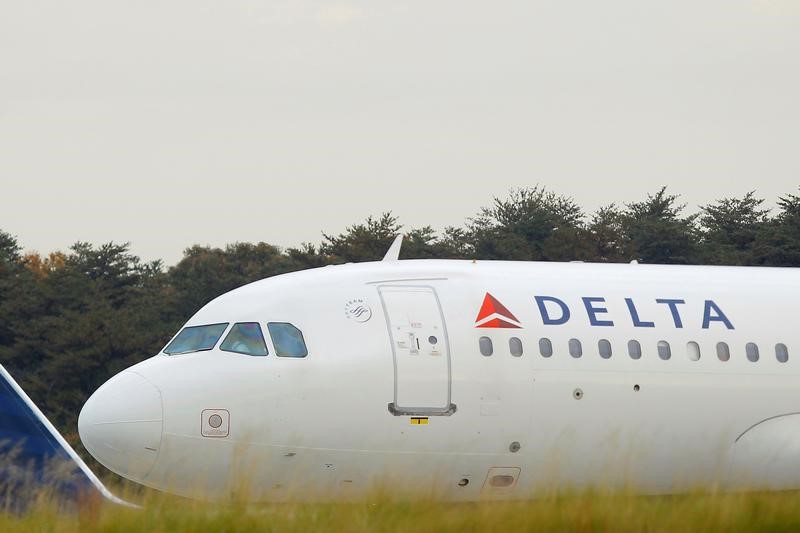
[
  {"x": 778, "y": 241},
  {"x": 9, "y": 273},
  {"x": 89, "y": 314},
  {"x": 530, "y": 224},
  {"x": 423, "y": 243},
  {"x": 306, "y": 256},
  {"x": 9, "y": 250},
  {"x": 608, "y": 236},
  {"x": 205, "y": 273},
  {"x": 43, "y": 266},
  {"x": 658, "y": 233},
  {"x": 456, "y": 243},
  {"x": 368, "y": 241},
  {"x": 730, "y": 227}
]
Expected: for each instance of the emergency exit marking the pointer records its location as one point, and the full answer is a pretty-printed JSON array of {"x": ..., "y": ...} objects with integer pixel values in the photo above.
[{"x": 419, "y": 420}]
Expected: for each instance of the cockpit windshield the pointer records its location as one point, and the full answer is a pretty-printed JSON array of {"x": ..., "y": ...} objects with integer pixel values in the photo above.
[
  {"x": 196, "y": 339},
  {"x": 288, "y": 340},
  {"x": 245, "y": 338}
]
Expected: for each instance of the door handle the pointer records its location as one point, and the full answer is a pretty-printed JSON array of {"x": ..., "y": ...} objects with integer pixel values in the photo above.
[{"x": 413, "y": 344}]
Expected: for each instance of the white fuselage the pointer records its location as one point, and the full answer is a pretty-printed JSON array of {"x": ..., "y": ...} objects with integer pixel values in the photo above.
[{"x": 396, "y": 389}]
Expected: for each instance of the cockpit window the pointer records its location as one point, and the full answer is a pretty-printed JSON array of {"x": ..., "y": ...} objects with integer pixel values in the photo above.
[
  {"x": 196, "y": 339},
  {"x": 245, "y": 338},
  {"x": 288, "y": 340}
]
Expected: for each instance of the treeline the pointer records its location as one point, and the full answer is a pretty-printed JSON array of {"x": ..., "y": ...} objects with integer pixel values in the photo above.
[{"x": 69, "y": 320}]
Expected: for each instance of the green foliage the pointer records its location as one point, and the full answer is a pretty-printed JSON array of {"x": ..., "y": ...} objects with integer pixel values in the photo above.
[
  {"x": 530, "y": 225},
  {"x": 9, "y": 282},
  {"x": 76, "y": 325},
  {"x": 608, "y": 238},
  {"x": 731, "y": 227},
  {"x": 423, "y": 243},
  {"x": 657, "y": 232},
  {"x": 9, "y": 250},
  {"x": 362, "y": 242},
  {"x": 205, "y": 273},
  {"x": 306, "y": 257},
  {"x": 778, "y": 242}
]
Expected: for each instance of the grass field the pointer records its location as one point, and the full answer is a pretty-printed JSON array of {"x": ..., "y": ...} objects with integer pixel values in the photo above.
[{"x": 572, "y": 512}]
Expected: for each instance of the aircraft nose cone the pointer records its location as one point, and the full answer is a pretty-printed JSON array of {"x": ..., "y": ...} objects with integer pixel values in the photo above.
[{"x": 121, "y": 424}]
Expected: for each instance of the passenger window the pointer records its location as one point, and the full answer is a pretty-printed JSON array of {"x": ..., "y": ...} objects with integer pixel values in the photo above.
[
  {"x": 634, "y": 349},
  {"x": 485, "y": 344},
  {"x": 781, "y": 352},
  {"x": 515, "y": 345},
  {"x": 196, "y": 339},
  {"x": 545, "y": 347},
  {"x": 575, "y": 348},
  {"x": 604, "y": 347},
  {"x": 723, "y": 352},
  {"x": 752, "y": 352},
  {"x": 664, "y": 351},
  {"x": 245, "y": 338},
  {"x": 287, "y": 339},
  {"x": 693, "y": 351}
]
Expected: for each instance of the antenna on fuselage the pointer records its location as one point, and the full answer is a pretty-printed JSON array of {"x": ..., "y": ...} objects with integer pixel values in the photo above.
[{"x": 394, "y": 250}]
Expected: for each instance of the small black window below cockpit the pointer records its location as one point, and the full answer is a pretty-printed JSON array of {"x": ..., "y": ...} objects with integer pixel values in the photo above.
[
  {"x": 245, "y": 338},
  {"x": 287, "y": 339},
  {"x": 196, "y": 339}
]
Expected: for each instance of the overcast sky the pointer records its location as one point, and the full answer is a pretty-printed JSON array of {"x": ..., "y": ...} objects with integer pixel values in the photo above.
[{"x": 180, "y": 122}]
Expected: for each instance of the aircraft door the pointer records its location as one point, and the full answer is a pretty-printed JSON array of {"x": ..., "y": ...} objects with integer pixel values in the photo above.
[{"x": 420, "y": 349}]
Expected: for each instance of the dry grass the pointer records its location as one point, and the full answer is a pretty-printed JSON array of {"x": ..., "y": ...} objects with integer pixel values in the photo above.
[{"x": 589, "y": 511}]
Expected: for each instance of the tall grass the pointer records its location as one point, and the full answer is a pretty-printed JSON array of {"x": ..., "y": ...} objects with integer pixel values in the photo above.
[{"x": 587, "y": 511}]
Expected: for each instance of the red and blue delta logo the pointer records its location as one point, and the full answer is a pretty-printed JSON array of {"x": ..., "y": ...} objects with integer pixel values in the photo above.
[{"x": 493, "y": 314}]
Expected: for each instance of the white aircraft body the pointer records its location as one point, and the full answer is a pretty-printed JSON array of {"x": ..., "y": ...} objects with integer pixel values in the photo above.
[{"x": 465, "y": 380}]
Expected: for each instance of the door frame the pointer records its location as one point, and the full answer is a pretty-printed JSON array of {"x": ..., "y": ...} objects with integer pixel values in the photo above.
[{"x": 432, "y": 411}]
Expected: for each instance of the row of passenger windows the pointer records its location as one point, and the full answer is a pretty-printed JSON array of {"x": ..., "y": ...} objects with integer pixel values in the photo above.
[
  {"x": 663, "y": 348},
  {"x": 244, "y": 338}
]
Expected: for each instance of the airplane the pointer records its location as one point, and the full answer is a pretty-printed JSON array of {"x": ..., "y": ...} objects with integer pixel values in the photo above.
[{"x": 467, "y": 380}]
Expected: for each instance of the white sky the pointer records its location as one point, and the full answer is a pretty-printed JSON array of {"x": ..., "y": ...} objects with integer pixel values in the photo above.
[{"x": 180, "y": 122}]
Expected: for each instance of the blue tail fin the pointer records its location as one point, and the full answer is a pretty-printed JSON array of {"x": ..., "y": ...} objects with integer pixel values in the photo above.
[{"x": 35, "y": 457}]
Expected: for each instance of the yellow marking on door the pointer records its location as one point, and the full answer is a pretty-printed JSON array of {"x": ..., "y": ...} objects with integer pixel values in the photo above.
[{"x": 419, "y": 420}]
